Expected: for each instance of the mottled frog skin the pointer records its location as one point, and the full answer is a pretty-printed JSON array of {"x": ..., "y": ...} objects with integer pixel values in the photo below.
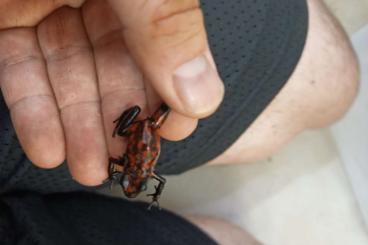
[{"x": 137, "y": 165}]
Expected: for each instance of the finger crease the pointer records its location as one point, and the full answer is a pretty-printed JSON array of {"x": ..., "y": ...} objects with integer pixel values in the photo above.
[
  {"x": 68, "y": 52},
  {"x": 25, "y": 98},
  {"x": 108, "y": 37},
  {"x": 17, "y": 60},
  {"x": 175, "y": 13},
  {"x": 61, "y": 109},
  {"x": 124, "y": 90}
]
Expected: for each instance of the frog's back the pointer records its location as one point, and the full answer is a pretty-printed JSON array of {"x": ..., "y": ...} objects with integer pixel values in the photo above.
[{"x": 143, "y": 146}]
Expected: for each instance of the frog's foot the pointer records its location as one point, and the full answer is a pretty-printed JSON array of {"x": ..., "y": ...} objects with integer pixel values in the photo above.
[
  {"x": 116, "y": 168},
  {"x": 125, "y": 120},
  {"x": 156, "y": 195},
  {"x": 114, "y": 178},
  {"x": 154, "y": 203}
]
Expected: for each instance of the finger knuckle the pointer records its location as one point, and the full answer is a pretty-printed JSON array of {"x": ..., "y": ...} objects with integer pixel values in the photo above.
[
  {"x": 178, "y": 26},
  {"x": 167, "y": 8},
  {"x": 174, "y": 17}
]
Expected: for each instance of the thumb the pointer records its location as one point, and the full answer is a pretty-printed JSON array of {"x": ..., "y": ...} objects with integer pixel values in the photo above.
[
  {"x": 20, "y": 13},
  {"x": 168, "y": 41}
]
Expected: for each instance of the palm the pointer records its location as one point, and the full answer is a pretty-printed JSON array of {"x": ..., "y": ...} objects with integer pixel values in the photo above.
[{"x": 65, "y": 81}]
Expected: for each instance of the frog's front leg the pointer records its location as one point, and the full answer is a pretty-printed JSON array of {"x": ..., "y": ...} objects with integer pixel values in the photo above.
[
  {"x": 160, "y": 116},
  {"x": 116, "y": 168},
  {"x": 125, "y": 120}
]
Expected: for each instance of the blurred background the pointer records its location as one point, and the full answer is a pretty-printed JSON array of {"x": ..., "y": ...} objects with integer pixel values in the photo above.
[{"x": 312, "y": 192}]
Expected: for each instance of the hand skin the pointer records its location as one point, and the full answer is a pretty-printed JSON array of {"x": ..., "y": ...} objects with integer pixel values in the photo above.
[{"x": 69, "y": 68}]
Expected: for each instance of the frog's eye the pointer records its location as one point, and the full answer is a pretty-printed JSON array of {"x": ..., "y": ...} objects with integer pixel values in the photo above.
[{"x": 143, "y": 186}]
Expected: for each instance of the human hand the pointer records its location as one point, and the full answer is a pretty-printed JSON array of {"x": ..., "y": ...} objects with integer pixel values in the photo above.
[{"x": 66, "y": 75}]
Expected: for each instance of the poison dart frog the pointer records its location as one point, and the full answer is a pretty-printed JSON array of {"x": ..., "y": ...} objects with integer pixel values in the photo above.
[{"x": 137, "y": 165}]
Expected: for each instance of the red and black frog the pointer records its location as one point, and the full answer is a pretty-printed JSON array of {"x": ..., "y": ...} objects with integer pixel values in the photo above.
[{"x": 137, "y": 165}]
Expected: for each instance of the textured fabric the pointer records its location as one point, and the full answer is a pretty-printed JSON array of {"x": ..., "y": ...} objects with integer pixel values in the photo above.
[
  {"x": 256, "y": 45},
  {"x": 84, "y": 219}
]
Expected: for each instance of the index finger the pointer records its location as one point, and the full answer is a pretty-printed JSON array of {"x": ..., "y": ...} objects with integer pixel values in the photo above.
[{"x": 27, "y": 92}]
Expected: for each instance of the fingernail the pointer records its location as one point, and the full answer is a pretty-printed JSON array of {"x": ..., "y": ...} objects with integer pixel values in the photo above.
[{"x": 198, "y": 86}]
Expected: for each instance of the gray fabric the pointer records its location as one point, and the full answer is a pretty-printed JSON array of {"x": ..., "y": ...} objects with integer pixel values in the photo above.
[{"x": 89, "y": 219}]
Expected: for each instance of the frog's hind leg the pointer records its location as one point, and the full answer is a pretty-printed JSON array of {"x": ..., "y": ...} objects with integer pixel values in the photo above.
[
  {"x": 158, "y": 190},
  {"x": 125, "y": 120}
]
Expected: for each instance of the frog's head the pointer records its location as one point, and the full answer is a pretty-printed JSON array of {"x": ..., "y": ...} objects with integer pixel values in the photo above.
[{"x": 133, "y": 185}]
